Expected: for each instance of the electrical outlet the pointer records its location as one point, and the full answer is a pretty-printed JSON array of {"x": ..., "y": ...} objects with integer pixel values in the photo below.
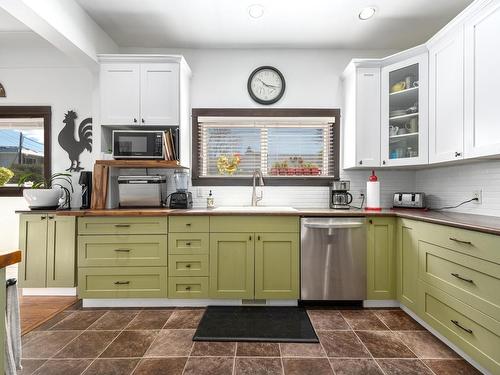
[
  {"x": 361, "y": 194},
  {"x": 479, "y": 195}
]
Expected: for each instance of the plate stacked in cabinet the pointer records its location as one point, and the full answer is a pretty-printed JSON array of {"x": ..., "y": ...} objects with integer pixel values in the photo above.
[
  {"x": 122, "y": 257},
  {"x": 188, "y": 257}
]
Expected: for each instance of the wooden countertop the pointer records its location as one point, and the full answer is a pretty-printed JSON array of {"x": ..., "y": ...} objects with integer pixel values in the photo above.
[
  {"x": 7, "y": 259},
  {"x": 481, "y": 223}
]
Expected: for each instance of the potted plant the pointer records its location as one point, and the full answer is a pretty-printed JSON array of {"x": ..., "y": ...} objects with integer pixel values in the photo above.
[
  {"x": 49, "y": 192},
  {"x": 275, "y": 169},
  {"x": 283, "y": 168},
  {"x": 5, "y": 175}
]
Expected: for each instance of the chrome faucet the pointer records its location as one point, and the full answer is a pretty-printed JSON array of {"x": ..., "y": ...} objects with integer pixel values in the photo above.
[{"x": 256, "y": 198}]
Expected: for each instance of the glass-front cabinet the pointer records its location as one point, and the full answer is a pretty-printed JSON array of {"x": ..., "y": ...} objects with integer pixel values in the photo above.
[{"x": 405, "y": 112}]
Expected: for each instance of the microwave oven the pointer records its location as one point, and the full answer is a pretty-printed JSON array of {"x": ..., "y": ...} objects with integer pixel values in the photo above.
[{"x": 138, "y": 144}]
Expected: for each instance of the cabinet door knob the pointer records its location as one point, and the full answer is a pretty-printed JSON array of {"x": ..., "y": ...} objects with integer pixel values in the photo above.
[
  {"x": 370, "y": 221},
  {"x": 188, "y": 288},
  {"x": 51, "y": 217},
  {"x": 383, "y": 162},
  {"x": 249, "y": 238},
  {"x": 188, "y": 224},
  {"x": 188, "y": 243},
  {"x": 188, "y": 266},
  {"x": 457, "y": 154},
  {"x": 43, "y": 217},
  {"x": 258, "y": 238},
  {"x": 361, "y": 162},
  {"x": 135, "y": 120},
  {"x": 142, "y": 120}
]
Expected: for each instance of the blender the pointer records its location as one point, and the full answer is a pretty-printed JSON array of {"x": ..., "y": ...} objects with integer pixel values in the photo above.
[{"x": 182, "y": 198}]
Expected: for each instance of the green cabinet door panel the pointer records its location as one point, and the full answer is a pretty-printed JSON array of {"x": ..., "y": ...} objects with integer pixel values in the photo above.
[
  {"x": 381, "y": 260},
  {"x": 232, "y": 265},
  {"x": 407, "y": 263},
  {"x": 61, "y": 238},
  {"x": 260, "y": 224},
  {"x": 122, "y": 225},
  {"x": 277, "y": 266},
  {"x": 33, "y": 244}
]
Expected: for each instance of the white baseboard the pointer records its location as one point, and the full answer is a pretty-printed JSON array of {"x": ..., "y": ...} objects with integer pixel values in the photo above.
[
  {"x": 380, "y": 303},
  {"x": 445, "y": 340},
  {"x": 164, "y": 302},
  {"x": 49, "y": 292}
]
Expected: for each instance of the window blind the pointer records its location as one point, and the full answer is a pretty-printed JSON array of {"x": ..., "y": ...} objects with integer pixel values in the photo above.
[{"x": 278, "y": 146}]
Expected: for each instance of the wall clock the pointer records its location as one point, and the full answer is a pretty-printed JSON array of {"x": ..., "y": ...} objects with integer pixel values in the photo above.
[{"x": 266, "y": 85}]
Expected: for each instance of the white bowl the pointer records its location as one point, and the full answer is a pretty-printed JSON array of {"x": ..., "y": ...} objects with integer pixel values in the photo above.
[{"x": 42, "y": 198}]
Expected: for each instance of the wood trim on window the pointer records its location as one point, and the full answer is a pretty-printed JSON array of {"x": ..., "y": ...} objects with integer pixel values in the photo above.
[
  {"x": 264, "y": 112},
  {"x": 44, "y": 112}
]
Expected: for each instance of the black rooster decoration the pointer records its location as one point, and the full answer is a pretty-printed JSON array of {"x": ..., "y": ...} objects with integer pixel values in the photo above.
[{"x": 72, "y": 146}]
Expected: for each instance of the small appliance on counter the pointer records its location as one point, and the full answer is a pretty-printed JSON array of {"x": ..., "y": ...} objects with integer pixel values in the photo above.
[
  {"x": 142, "y": 191},
  {"x": 85, "y": 181},
  {"x": 182, "y": 198},
  {"x": 339, "y": 197},
  {"x": 138, "y": 144},
  {"x": 409, "y": 200}
]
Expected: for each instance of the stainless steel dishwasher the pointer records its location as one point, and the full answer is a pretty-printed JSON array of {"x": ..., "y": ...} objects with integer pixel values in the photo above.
[{"x": 333, "y": 259}]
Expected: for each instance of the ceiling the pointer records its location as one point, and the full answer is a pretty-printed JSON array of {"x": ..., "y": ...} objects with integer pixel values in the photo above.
[
  {"x": 398, "y": 24},
  {"x": 9, "y": 23}
]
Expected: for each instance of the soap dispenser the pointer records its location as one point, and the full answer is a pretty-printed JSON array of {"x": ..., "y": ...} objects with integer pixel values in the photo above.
[{"x": 210, "y": 200}]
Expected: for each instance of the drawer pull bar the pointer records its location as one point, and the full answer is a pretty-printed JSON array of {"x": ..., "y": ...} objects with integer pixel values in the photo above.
[
  {"x": 188, "y": 243},
  {"x": 462, "y": 328},
  {"x": 460, "y": 241},
  {"x": 123, "y": 250},
  {"x": 462, "y": 278},
  {"x": 188, "y": 266},
  {"x": 188, "y": 288},
  {"x": 122, "y": 282},
  {"x": 122, "y": 225}
]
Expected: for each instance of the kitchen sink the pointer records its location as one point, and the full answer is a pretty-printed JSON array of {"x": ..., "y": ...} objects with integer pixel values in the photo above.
[{"x": 255, "y": 209}]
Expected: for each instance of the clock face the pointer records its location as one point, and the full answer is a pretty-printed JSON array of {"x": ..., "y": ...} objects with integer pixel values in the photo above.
[{"x": 266, "y": 85}]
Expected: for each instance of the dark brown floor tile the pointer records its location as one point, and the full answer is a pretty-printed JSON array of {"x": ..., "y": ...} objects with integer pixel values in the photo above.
[
  {"x": 426, "y": 345},
  {"x": 122, "y": 366},
  {"x": 363, "y": 320},
  {"x": 172, "y": 343},
  {"x": 384, "y": 344},
  {"x": 398, "y": 320},
  {"x": 209, "y": 366},
  {"x": 327, "y": 320},
  {"x": 403, "y": 367},
  {"x": 88, "y": 345},
  {"x": 185, "y": 319},
  {"x": 342, "y": 344},
  {"x": 161, "y": 366},
  {"x": 30, "y": 366},
  {"x": 355, "y": 367},
  {"x": 301, "y": 350},
  {"x": 213, "y": 349},
  {"x": 258, "y": 349},
  {"x": 44, "y": 344},
  {"x": 114, "y": 320},
  {"x": 79, "y": 320},
  {"x": 63, "y": 367},
  {"x": 451, "y": 367},
  {"x": 53, "y": 321},
  {"x": 150, "y": 319},
  {"x": 307, "y": 366},
  {"x": 130, "y": 344},
  {"x": 258, "y": 366}
]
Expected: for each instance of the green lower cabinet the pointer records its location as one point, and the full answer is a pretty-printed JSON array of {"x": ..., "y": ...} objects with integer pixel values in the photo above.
[
  {"x": 33, "y": 244},
  {"x": 407, "y": 263},
  {"x": 61, "y": 254},
  {"x": 232, "y": 265},
  {"x": 188, "y": 287},
  {"x": 277, "y": 266},
  {"x": 381, "y": 270}
]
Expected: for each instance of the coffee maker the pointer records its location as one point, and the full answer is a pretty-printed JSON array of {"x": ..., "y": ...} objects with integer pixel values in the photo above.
[
  {"x": 86, "y": 183},
  {"x": 339, "y": 197},
  {"x": 182, "y": 198}
]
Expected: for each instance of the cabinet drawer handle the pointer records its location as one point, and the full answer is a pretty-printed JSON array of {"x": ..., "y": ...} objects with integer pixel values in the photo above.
[
  {"x": 123, "y": 250},
  {"x": 188, "y": 288},
  {"x": 461, "y": 327},
  {"x": 51, "y": 217},
  {"x": 122, "y": 225},
  {"x": 462, "y": 278},
  {"x": 43, "y": 217},
  {"x": 122, "y": 282},
  {"x": 188, "y": 243},
  {"x": 460, "y": 241},
  {"x": 188, "y": 224},
  {"x": 188, "y": 266}
]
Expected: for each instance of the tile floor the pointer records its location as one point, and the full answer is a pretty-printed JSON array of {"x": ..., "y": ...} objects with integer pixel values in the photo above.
[{"x": 153, "y": 341}]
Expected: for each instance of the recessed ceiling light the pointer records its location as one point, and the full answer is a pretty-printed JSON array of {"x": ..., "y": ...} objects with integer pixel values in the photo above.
[
  {"x": 367, "y": 13},
  {"x": 256, "y": 10}
]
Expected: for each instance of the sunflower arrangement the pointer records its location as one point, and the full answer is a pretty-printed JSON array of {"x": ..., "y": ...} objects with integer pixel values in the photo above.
[{"x": 228, "y": 164}]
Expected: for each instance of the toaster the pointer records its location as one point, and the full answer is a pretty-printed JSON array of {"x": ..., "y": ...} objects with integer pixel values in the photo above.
[{"x": 409, "y": 200}]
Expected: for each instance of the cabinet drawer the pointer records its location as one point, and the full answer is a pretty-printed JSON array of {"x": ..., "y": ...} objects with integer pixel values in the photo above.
[
  {"x": 471, "y": 280},
  {"x": 475, "y": 333},
  {"x": 122, "y": 225},
  {"x": 261, "y": 224},
  {"x": 122, "y": 282},
  {"x": 477, "y": 244},
  {"x": 188, "y": 287},
  {"x": 188, "y": 224},
  {"x": 122, "y": 250},
  {"x": 189, "y": 243},
  {"x": 188, "y": 265}
]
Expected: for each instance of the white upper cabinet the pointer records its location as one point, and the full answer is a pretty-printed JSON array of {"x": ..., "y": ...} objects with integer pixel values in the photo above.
[
  {"x": 446, "y": 97},
  {"x": 362, "y": 117},
  {"x": 160, "y": 94},
  {"x": 140, "y": 94},
  {"x": 120, "y": 94},
  {"x": 404, "y": 112},
  {"x": 482, "y": 82}
]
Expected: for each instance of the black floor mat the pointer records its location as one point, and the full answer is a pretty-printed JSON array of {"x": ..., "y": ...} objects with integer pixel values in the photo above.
[{"x": 242, "y": 323}]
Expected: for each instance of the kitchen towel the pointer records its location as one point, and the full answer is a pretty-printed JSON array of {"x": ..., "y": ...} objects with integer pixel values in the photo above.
[{"x": 12, "y": 330}]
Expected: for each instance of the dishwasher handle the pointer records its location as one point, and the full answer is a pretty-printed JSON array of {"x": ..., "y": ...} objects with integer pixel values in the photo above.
[{"x": 334, "y": 226}]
